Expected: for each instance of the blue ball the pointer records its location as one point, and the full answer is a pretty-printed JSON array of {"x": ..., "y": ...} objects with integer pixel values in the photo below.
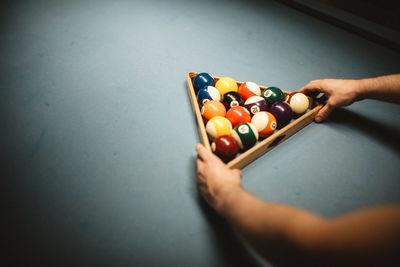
[
  {"x": 203, "y": 79},
  {"x": 208, "y": 93}
]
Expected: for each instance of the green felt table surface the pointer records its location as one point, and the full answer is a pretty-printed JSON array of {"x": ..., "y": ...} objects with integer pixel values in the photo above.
[{"x": 97, "y": 131}]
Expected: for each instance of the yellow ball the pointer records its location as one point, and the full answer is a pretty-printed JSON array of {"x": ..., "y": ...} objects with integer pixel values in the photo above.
[
  {"x": 225, "y": 85},
  {"x": 218, "y": 126}
]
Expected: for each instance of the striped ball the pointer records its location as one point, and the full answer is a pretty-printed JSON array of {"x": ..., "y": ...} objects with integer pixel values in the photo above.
[
  {"x": 245, "y": 134},
  {"x": 208, "y": 93},
  {"x": 256, "y": 104},
  {"x": 218, "y": 126},
  {"x": 249, "y": 89},
  {"x": 264, "y": 122}
]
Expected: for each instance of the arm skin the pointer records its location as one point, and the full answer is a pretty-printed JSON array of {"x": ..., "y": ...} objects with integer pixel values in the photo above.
[
  {"x": 286, "y": 235},
  {"x": 344, "y": 92}
]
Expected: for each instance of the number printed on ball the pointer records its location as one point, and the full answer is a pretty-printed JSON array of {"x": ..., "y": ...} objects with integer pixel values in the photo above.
[
  {"x": 267, "y": 93},
  {"x": 205, "y": 101},
  {"x": 234, "y": 103},
  {"x": 255, "y": 109},
  {"x": 243, "y": 129}
]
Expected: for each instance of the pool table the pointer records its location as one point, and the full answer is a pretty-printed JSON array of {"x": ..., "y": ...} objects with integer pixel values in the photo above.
[{"x": 98, "y": 134}]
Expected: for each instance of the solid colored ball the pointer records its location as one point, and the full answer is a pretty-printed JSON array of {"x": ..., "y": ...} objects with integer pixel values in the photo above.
[
  {"x": 249, "y": 89},
  {"x": 201, "y": 80},
  {"x": 232, "y": 99},
  {"x": 208, "y": 93},
  {"x": 218, "y": 126},
  {"x": 212, "y": 108},
  {"x": 298, "y": 102},
  {"x": 255, "y": 104},
  {"x": 225, "y": 147},
  {"x": 225, "y": 85},
  {"x": 264, "y": 122},
  {"x": 282, "y": 112},
  {"x": 272, "y": 95},
  {"x": 238, "y": 115},
  {"x": 245, "y": 134}
]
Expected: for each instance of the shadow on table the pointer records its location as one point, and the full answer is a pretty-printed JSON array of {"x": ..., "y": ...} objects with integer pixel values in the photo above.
[
  {"x": 228, "y": 246},
  {"x": 231, "y": 248},
  {"x": 386, "y": 134}
]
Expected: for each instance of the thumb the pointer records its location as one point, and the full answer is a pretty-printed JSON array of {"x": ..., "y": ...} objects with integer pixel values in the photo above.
[
  {"x": 324, "y": 112},
  {"x": 239, "y": 172}
]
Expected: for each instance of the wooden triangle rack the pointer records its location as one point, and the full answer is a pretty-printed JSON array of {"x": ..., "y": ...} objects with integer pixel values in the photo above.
[{"x": 263, "y": 146}]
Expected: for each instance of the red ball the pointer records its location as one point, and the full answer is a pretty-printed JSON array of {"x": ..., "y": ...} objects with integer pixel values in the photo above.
[
  {"x": 238, "y": 115},
  {"x": 225, "y": 147}
]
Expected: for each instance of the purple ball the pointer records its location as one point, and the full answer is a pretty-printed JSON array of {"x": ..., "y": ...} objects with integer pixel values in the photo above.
[
  {"x": 282, "y": 112},
  {"x": 255, "y": 104}
]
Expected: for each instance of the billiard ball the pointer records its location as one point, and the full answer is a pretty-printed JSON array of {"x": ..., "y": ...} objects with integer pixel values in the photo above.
[
  {"x": 255, "y": 104},
  {"x": 264, "y": 122},
  {"x": 201, "y": 80},
  {"x": 282, "y": 112},
  {"x": 238, "y": 115},
  {"x": 272, "y": 95},
  {"x": 212, "y": 108},
  {"x": 249, "y": 89},
  {"x": 208, "y": 93},
  {"x": 245, "y": 134},
  {"x": 225, "y": 147},
  {"x": 298, "y": 102},
  {"x": 218, "y": 126},
  {"x": 232, "y": 99},
  {"x": 225, "y": 85}
]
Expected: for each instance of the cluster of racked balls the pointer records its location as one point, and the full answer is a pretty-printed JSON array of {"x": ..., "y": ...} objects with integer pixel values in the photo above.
[{"x": 236, "y": 117}]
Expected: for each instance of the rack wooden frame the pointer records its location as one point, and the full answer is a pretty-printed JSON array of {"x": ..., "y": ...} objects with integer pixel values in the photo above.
[{"x": 262, "y": 146}]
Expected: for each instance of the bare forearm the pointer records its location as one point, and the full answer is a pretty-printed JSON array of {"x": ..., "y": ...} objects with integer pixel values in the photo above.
[
  {"x": 288, "y": 235},
  {"x": 385, "y": 88},
  {"x": 368, "y": 237},
  {"x": 268, "y": 219},
  {"x": 277, "y": 230},
  {"x": 274, "y": 230}
]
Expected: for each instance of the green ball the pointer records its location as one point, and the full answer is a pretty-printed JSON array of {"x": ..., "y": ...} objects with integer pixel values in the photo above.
[
  {"x": 245, "y": 134},
  {"x": 272, "y": 95}
]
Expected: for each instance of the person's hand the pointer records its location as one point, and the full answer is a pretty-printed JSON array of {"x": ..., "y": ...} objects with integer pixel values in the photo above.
[
  {"x": 338, "y": 92},
  {"x": 217, "y": 183}
]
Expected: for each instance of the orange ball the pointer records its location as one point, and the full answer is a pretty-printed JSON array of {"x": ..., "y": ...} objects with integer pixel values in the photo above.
[
  {"x": 238, "y": 115},
  {"x": 213, "y": 108},
  {"x": 264, "y": 122}
]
